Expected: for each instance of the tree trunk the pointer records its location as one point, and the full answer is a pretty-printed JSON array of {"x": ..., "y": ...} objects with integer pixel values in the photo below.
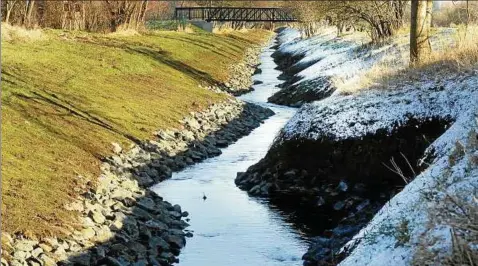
[
  {"x": 419, "y": 29},
  {"x": 28, "y": 14},
  {"x": 7, "y": 16}
]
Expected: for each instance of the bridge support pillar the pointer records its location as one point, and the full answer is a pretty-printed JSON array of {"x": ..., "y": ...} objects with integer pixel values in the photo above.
[{"x": 207, "y": 26}]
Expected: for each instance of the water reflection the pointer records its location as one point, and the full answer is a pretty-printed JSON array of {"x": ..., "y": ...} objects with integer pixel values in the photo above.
[{"x": 231, "y": 228}]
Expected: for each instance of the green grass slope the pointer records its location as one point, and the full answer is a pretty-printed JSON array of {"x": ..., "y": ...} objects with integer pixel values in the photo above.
[{"x": 68, "y": 95}]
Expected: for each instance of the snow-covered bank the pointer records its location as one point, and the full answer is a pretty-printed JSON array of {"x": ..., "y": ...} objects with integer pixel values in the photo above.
[
  {"x": 324, "y": 63},
  {"x": 339, "y": 155},
  {"x": 452, "y": 174}
]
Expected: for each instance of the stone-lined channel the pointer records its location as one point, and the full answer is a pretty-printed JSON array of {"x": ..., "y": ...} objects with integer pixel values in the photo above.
[{"x": 229, "y": 227}]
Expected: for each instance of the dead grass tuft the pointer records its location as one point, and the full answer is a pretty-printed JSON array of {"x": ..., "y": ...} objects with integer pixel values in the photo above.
[
  {"x": 15, "y": 33},
  {"x": 462, "y": 218}
]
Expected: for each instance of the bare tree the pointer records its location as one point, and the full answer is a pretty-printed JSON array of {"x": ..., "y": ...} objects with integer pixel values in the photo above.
[
  {"x": 9, "y": 7},
  {"x": 28, "y": 15},
  {"x": 379, "y": 17}
]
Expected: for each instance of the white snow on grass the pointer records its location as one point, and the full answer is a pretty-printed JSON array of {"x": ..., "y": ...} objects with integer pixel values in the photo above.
[
  {"x": 338, "y": 117},
  {"x": 347, "y": 58},
  {"x": 354, "y": 116},
  {"x": 378, "y": 243}
]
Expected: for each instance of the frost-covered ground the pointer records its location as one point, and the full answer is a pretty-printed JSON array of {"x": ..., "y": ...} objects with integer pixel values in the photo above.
[
  {"x": 408, "y": 221},
  {"x": 342, "y": 60},
  {"x": 340, "y": 117},
  {"x": 352, "y": 116}
]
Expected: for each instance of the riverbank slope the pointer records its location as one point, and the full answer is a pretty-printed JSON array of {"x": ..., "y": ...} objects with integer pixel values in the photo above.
[
  {"x": 392, "y": 151},
  {"x": 66, "y": 96}
]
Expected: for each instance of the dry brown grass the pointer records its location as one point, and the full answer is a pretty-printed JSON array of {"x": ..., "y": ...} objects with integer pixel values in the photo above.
[
  {"x": 458, "y": 211},
  {"x": 462, "y": 218},
  {"x": 14, "y": 33},
  {"x": 459, "y": 57}
]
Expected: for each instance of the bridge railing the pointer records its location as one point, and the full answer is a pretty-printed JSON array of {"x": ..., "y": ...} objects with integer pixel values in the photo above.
[{"x": 234, "y": 14}]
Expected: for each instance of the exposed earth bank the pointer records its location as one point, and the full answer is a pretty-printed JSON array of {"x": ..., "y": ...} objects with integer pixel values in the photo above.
[{"x": 345, "y": 156}]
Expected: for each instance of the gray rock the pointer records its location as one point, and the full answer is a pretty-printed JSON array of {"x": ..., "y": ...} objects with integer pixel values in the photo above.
[
  {"x": 175, "y": 241},
  {"x": 320, "y": 201},
  {"x": 47, "y": 261},
  {"x": 178, "y": 232},
  {"x": 156, "y": 225},
  {"x": 87, "y": 233},
  {"x": 168, "y": 256},
  {"x": 342, "y": 186},
  {"x": 339, "y": 205},
  {"x": 60, "y": 253},
  {"x": 20, "y": 255},
  {"x": 153, "y": 261},
  {"x": 147, "y": 204},
  {"x": 18, "y": 263},
  {"x": 136, "y": 247},
  {"x": 114, "y": 262},
  {"x": 290, "y": 174},
  {"x": 362, "y": 205},
  {"x": 37, "y": 252},
  {"x": 175, "y": 214},
  {"x": 131, "y": 229},
  {"x": 140, "y": 263},
  {"x": 97, "y": 217},
  {"x": 145, "y": 180},
  {"x": 118, "y": 248},
  {"x": 103, "y": 233},
  {"x": 100, "y": 251},
  {"x": 33, "y": 262},
  {"x": 45, "y": 247},
  {"x": 185, "y": 214},
  {"x": 116, "y": 148},
  {"x": 80, "y": 258},
  {"x": 25, "y": 245},
  {"x": 158, "y": 242},
  {"x": 142, "y": 214}
]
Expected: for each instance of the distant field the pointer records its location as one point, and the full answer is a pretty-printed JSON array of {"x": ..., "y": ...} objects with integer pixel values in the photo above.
[{"x": 67, "y": 95}]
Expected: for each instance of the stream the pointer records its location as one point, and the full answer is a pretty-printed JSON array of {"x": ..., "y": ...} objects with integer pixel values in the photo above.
[{"x": 229, "y": 227}]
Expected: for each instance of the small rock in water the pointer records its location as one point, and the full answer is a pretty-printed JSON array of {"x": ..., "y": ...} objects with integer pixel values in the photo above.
[
  {"x": 362, "y": 205},
  {"x": 343, "y": 186},
  {"x": 339, "y": 205},
  {"x": 290, "y": 174},
  {"x": 320, "y": 201}
]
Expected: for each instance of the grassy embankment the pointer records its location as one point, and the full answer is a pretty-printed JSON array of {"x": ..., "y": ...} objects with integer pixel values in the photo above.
[{"x": 67, "y": 95}]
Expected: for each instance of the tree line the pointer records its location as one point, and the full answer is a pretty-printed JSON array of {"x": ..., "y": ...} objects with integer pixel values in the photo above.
[
  {"x": 382, "y": 19},
  {"x": 108, "y": 15},
  {"x": 98, "y": 16}
]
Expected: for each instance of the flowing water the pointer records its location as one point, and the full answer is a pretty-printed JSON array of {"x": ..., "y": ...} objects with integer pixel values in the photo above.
[{"x": 229, "y": 227}]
